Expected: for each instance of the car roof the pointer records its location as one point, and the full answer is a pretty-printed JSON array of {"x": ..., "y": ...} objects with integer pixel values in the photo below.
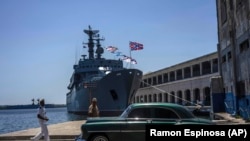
[
  {"x": 183, "y": 111},
  {"x": 158, "y": 104}
]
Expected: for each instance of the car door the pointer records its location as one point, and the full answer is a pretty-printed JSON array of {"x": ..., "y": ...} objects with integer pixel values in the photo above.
[{"x": 135, "y": 127}]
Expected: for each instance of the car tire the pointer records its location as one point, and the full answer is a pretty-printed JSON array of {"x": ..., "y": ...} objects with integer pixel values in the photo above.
[{"x": 99, "y": 138}]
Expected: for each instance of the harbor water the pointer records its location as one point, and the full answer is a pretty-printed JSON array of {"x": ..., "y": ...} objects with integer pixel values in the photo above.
[{"x": 22, "y": 119}]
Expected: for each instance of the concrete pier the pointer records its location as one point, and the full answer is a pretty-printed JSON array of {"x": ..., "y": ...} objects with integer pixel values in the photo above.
[
  {"x": 68, "y": 131},
  {"x": 65, "y": 131}
]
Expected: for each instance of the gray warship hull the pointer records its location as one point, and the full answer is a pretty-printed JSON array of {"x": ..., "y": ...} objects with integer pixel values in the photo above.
[{"x": 114, "y": 92}]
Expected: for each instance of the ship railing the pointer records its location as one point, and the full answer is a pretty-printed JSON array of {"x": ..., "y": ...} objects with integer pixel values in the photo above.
[{"x": 94, "y": 77}]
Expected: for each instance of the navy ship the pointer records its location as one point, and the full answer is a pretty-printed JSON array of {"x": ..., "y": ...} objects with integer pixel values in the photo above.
[{"x": 108, "y": 80}]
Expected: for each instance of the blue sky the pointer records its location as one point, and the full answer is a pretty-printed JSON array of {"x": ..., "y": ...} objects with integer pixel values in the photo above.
[{"x": 41, "y": 40}]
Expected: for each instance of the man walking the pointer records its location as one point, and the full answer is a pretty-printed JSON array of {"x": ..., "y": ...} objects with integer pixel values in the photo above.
[
  {"x": 93, "y": 109},
  {"x": 41, "y": 115}
]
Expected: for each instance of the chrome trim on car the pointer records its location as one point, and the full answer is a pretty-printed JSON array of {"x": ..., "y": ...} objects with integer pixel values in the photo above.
[
  {"x": 98, "y": 131},
  {"x": 133, "y": 131},
  {"x": 116, "y": 131}
]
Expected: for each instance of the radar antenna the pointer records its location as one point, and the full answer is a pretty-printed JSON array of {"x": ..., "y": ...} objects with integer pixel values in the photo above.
[{"x": 91, "y": 33}]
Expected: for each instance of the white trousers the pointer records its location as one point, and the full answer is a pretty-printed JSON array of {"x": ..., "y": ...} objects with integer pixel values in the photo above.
[{"x": 44, "y": 132}]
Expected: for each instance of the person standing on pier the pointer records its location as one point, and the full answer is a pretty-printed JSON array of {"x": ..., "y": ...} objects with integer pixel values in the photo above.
[
  {"x": 42, "y": 118},
  {"x": 93, "y": 109}
]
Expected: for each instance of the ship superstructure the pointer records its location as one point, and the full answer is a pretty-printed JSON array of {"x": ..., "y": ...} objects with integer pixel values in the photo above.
[{"x": 113, "y": 85}]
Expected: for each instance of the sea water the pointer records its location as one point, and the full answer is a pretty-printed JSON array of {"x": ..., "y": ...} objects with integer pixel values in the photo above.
[{"x": 21, "y": 119}]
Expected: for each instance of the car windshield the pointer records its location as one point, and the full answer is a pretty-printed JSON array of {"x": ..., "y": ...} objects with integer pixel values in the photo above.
[{"x": 125, "y": 112}]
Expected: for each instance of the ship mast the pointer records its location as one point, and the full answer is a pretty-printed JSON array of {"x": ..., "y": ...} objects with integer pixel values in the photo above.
[
  {"x": 91, "y": 33},
  {"x": 99, "y": 51}
]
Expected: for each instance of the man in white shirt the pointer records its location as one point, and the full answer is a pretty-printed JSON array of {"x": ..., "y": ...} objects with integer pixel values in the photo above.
[
  {"x": 42, "y": 118},
  {"x": 93, "y": 109}
]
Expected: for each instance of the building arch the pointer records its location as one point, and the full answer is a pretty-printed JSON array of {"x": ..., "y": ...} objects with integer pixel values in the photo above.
[
  {"x": 172, "y": 97},
  {"x": 154, "y": 98},
  {"x": 197, "y": 95},
  {"x": 149, "y": 98},
  {"x": 141, "y": 99},
  {"x": 160, "y": 97},
  {"x": 145, "y": 98},
  {"x": 179, "y": 98},
  {"x": 207, "y": 96},
  {"x": 166, "y": 97},
  {"x": 187, "y": 97}
]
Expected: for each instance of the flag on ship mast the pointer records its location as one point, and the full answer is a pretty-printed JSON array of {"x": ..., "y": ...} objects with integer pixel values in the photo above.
[
  {"x": 135, "y": 46},
  {"x": 112, "y": 49},
  {"x": 125, "y": 58}
]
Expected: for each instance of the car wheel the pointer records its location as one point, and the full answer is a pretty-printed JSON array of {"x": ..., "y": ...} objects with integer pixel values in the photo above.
[{"x": 99, "y": 138}]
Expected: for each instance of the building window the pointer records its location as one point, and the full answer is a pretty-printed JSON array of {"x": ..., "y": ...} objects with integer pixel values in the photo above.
[
  {"x": 206, "y": 67},
  {"x": 239, "y": 4},
  {"x": 165, "y": 77},
  {"x": 149, "y": 82},
  {"x": 223, "y": 59},
  {"x": 229, "y": 55},
  {"x": 145, "y": 83},
  {"x": 179, "y": 74},
  {"x": 154, "y": 80},
  {"x": 187, "y": 72},
  {"x": 223, "y": 11},
  {"x": 244, "y": 46},
  {"x": 215, "y": 65},
  {"x": 159, "y": 79},
  {"x": 240, "y": 86},
  {"x": 196, "y": 70},
  {"x": 172, "y": 76}
]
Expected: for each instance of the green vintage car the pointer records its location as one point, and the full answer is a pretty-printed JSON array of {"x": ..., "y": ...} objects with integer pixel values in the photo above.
[{"x": 131, "y": 124}]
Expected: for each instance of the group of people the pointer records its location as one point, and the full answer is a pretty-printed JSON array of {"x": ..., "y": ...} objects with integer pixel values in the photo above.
[{"x": 93, "y": 111}]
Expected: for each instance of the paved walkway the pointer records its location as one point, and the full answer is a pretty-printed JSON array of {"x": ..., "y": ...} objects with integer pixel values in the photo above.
[
  {"x": 62, "y": 131},
  {"x": 67, "y": 131}
]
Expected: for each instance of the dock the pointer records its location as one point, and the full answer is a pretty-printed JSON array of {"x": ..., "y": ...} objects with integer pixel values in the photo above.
[{"x": 66, "y": 131}]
